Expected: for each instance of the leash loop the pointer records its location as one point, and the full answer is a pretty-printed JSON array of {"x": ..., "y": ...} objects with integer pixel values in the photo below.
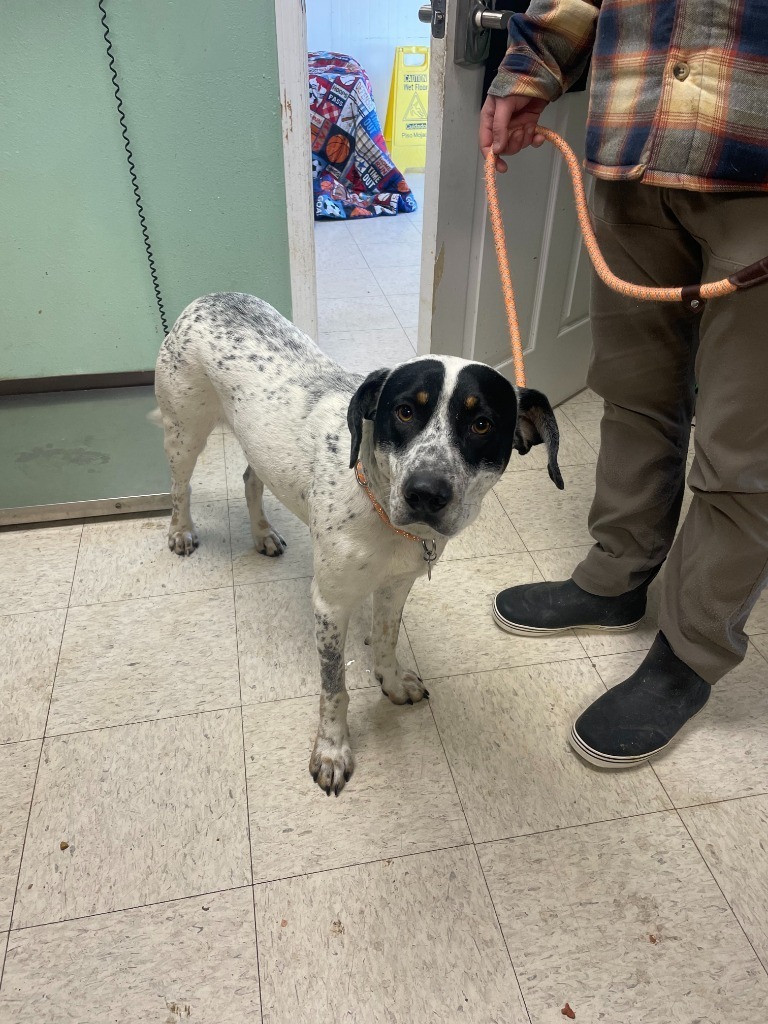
[{"x": 693, "y": 296}]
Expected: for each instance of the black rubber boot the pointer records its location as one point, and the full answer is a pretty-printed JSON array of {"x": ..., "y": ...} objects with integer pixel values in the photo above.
[
  {"x": 640, "y": 716},
  {"x": 541, "y": 609}
]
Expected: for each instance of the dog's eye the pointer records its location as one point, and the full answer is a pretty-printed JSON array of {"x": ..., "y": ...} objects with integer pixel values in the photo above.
[
  {"x": 481, "y": 425},
  {"x": 404, "y": 413}
]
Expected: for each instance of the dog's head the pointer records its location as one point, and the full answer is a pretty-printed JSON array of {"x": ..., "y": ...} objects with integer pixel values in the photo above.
[{"x": 443, "y": 431}]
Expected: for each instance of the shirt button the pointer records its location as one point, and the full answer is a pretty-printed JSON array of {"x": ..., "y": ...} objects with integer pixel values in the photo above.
[{"x": 681, "y": 71}]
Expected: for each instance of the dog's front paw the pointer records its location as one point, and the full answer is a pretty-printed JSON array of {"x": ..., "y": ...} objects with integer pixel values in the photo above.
[
  {"x": 269, "y": 543},
  {"x": 402, "y": 686},
  {"x": 331, "y": 764},
  {"x": 183, "y": 542}
]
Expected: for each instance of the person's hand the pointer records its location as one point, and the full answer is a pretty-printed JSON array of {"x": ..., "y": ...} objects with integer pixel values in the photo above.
[{"x": 508, "y": 124}]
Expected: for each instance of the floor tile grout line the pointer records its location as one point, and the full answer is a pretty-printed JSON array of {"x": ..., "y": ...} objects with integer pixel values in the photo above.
[
  {"x": 717, "y": 801},
  {"x": 229, "y": 538},
  {"x": 39, "y": 760},
  {"x": 237, "y": 888},
  {"x": 368, "y": 862},
  {"x": 501, "y": 932},
  {"x": 722, "y": 893},
  {"x": 399, "y": 265},
  {"x": 504, "y": 668},
  {"x": 533, "y": 556},
  {"x": 150, "y": 597},
  {"x": 255, "y": 923},
  {"x": 582, "y": 824},
  {"x": 559, "y": 547},
  {"x": 755, "y": 648},
  {"x": 402, "y": 325},
  {"x": 118, "y": 518},
  {"x": 453, "y": 777},
  {"x": 594, "y": 667},
  {"x": 579, "y": 431},
  {"x": 245, "y": 780},
  {"x": 230, "y": 498},
  {"x": 326, "y": 335},
  {"x": 473, "y": 843},
  {"x": 15, "y": 743},
  {"x": 593, "y": 401},
  {"x": 509, "y": 518},
  {"x": 410, "y": 648},
  {"x": 400, "y": 294},
  {"x": 142, "y": 721},
  {"x": 477, "y": 856},
  {"x": 34, "y": 611},
  {"x": 356, "y": 237},
  {"x": 683, "y": 822},
  {"x": 315, "y": 695},
  {"x": 379, "y": 293},
  {"x": 282, "y": 579},
  {"x": 129, "y": 909},
  {"x": 541, "y": 470}
]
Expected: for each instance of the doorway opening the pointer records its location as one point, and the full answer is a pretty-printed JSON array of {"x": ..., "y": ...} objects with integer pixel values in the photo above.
[
  {"x": 368, "y": 224},
  {"x": 440, "y": 293}
]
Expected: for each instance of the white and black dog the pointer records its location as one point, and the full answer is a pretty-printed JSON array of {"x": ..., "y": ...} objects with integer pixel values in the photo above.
[{"x": 430, "y": 437}]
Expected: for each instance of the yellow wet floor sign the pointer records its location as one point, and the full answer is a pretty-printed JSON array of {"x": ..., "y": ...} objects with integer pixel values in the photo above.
[{"x": 405, "y": 130}]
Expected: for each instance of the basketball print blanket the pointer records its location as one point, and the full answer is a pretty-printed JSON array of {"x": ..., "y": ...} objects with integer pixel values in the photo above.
[{"x": 352, "y": 171}]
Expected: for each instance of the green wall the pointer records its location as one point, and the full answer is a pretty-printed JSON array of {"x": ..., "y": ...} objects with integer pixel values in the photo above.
[{"x": 200, "y": 90}]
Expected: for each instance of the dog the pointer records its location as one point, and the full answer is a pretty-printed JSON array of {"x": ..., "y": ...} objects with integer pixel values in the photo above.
[{"x": 426, "y": 441}]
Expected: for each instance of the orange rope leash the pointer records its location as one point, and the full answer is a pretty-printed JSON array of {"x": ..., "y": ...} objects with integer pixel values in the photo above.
[
  {"x": 499, "y": 239},
  {"x": 694, "y": 295}
]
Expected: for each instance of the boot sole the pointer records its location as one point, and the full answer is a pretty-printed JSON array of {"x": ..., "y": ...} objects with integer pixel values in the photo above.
[
  {"x": 594, "y": 757},
  {"x": 519, "y": 630},
  {"x": 600, "y": 760}
]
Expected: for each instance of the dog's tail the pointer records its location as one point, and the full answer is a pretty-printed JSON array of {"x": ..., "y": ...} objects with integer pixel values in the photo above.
[{"x": 155, "y": 417}]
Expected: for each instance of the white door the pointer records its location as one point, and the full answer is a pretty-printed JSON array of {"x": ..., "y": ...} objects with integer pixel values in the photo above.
[{"x": 461, "y": 308}]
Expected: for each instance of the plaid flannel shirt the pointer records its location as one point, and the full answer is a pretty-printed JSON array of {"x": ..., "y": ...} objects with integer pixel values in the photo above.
[{"x": 679, "y": 94}]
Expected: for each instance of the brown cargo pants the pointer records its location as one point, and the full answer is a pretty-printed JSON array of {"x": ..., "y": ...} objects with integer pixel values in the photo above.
[{"x": 647, "y": 359}]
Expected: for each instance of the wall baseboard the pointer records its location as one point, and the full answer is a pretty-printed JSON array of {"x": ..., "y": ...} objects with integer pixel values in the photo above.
[{"x": 77, "y": 382}]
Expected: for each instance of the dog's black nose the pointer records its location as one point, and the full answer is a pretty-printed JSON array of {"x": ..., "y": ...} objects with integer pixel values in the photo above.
[{"x": 427, "y": 492}]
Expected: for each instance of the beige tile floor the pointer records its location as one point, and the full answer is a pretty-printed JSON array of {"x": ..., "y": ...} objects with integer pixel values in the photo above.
[{"x": 166, "y": 858}]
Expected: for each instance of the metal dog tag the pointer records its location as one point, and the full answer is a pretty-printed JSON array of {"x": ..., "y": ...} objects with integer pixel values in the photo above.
[{"x": 430, "y": 555}]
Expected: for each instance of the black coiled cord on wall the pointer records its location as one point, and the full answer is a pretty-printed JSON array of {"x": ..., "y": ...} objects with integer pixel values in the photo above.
[{"x": 132, "y": 170}]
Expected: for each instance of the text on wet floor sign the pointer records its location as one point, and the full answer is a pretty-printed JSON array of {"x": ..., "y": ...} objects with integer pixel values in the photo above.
[{"x": 405, "y": 129}]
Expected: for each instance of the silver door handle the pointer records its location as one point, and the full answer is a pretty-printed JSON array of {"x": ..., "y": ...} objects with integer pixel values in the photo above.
[
  {"x": 475, "y": 20},
  {"x": 485, "y": 19}
]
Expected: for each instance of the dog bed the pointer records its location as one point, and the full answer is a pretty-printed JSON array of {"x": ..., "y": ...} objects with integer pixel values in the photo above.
[{"x": 352, "y": 171}]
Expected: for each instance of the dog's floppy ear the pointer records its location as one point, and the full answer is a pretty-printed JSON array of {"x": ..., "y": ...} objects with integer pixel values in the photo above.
[
  {"x": 536, "y": 424},
  {"x": 363, "y": 407}
]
